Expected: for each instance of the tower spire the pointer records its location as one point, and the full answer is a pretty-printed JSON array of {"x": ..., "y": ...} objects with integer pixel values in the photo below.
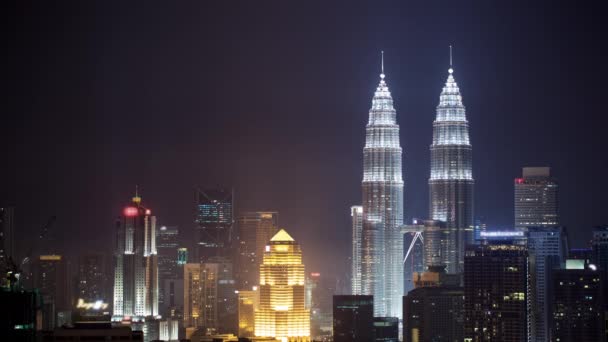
[
  {"x": 450, "y": 70},
  {"x": 136, "y": 199},
  {"x": 382, "y": 61}
]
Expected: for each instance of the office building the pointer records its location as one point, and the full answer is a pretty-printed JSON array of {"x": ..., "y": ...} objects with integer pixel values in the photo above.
[
  {"x": 451, "y": 181},
  {"x": 51, "y": 279},
  {"x": 353, "y": 318},
  {"x": 496, "y": 292},
  {"x": 215, "y": 221},
  {"x": 356, "y": 219},
  {"x": 281, "y": 312},
  {"x": 255, "y": 230},
  {"x": 386, "y": 329},
  {"x": 93, "y": 283},
  {"x": 434, "y": 313},
  {"x": 321, "y": 289},
  {"x": 169, "y": 270},
  {"x": 576, "y": 298},
  {"x": 210, "y": 301},
  {"x": 136, "y": 268},
  {"x": 536, "y": 202},
  {"x": 600, "y": 248},
  {"x": 248, "y": 303},
  {"x": 547, "y": 248},
  {"x": 7, "y": 243},
  {"x": 382, "y": 188}
]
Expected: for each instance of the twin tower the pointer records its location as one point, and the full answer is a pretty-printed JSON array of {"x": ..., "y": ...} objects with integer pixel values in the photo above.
[{"x": 377, "y": 224}]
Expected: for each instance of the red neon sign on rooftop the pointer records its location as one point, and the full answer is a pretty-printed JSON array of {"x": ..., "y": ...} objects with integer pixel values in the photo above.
[{"x": 131, "y": 211}]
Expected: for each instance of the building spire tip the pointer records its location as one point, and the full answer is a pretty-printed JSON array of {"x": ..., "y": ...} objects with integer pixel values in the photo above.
[{"x": 450, "y": 70}]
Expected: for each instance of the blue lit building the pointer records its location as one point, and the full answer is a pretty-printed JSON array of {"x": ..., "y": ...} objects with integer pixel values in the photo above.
[{"x": 215, "y": 222}]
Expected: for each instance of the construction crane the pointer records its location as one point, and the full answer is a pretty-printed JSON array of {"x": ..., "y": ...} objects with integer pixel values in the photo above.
[{"x": 15, "y": 270}]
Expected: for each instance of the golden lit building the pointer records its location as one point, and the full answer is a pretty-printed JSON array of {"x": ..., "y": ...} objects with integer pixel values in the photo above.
[
  {"x": 281, "y": 312},
  {"x": 193, "y": 293},
  {"x": 248, "y": 303}
]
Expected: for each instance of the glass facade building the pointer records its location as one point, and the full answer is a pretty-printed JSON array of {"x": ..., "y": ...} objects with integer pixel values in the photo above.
[
  {"x": 353, "y": 318},
  {"x": 382, "y": 188},
  {"x": 214, "y": 219},
  {"x": 451, "y": 180},
  {"x": 255, "y": 230}
]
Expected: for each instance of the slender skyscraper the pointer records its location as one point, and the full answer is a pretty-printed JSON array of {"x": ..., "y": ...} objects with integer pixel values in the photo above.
[
  {"x": 451, "y": 182},
  {"x": 136, "y": 269},
  {"x": 214, "y": 217},
  {"x": 356, "y": 216},
  {"x": 382, "y": 246}
]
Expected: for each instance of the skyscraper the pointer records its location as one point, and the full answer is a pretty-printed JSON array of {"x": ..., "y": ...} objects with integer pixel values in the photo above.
[
  {"x": 136, "y": 268},
  {"x": 210, "y": 301},
  {"x": 451, "y": 181},
  {"x": 356, "y": 217},
  {"x": 255, "y": 230},
  {"x": 536, "y": 203},
  {"x": 353, "y": 318},
  {"x": 51, "y": 278},
  {"x": 92, "y": 279},
  {"x": 7, "y": 249},
  {"x": 547, "y": 248},
  {"x": 496, "y": 293},
  {"x": 248, "y": 303},
  {"x": 168, "y": 269},
  {"x": 382, "y": 187},
  {"x": 281, "y": 313},
  {"x": 576, "y": 302},
  {"x": 214, "y": 219}
]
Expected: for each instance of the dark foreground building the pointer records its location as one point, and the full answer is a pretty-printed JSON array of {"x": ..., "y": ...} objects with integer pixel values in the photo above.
[
  {"x": 353, "y": 318},
  {"x": 433, "y": 314},
  {"x": 496, "y": 293},
  {"x": 386, "y": 329},
  {"x": 576, "y": 301}
]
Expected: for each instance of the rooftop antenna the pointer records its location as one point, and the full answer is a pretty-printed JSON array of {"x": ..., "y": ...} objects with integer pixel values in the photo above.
[
  {"x": 136, "y": 199},
  {"x": 450, "y": 70},
  {"x": 382, "y": 61}
]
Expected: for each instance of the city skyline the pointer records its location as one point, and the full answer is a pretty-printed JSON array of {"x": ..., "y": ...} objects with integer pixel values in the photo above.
[{"x": 501, "y": 92}]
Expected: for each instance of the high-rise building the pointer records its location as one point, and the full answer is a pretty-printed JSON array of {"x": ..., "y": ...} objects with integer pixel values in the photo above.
[
  {"x": 496, "y": 292},
  {"x": 433, "y": 313},
  {"x": 210, "y": 301},
  {"x": 136, "y": 268},
  {"x": 7, "y": 231},
  {"x": 413, "y": 261},
  {"x": 322, "y": 289},
  {"x": 167, "y": 244},
  {"x": 547, "y": 248},
  {"x": 356, "y": 217},
  {"x": 255, "y": 230},
  {"x": 386, "y": 329},
  {"x": 382, "y": 187},
  {"x": 93, "y": 279},
  {"x": 353, "y": 318},
  {"x": 51, "y": 279},
  {"x": 248, "y": 303},
  {"x": 214, "y": 219},
  {"x": 281, "y": 313},
  {"x": 600, "y": 248},
  {"x": 451, "y": 181},
  {"x": 576, "y": 301},
  {"x": 536, "y": 202}
]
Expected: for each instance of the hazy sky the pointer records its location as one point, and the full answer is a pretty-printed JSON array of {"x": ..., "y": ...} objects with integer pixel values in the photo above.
[{"x": 273, "y": 97}]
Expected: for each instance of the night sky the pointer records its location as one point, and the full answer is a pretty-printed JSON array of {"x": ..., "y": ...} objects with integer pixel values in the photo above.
[{"x": 273, "y": 97}]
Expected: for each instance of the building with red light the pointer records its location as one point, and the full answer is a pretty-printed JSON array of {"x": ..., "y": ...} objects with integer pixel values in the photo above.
[
  {"x": 136, "y": 264},
  {"x": 536, "y": 202}
]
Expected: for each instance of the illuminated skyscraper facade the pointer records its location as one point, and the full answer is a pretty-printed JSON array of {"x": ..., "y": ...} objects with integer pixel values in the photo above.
[
  {"x": 356, "y": 217},
  {"x": 214, "y": 218},
  {"x": 451, "y": 181},
  {"x": 382, "y": 188},
  {"x": 536, "y": 198},
  {"x": 136, "y": 267},
  {"x": 281, "y": 312}
]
